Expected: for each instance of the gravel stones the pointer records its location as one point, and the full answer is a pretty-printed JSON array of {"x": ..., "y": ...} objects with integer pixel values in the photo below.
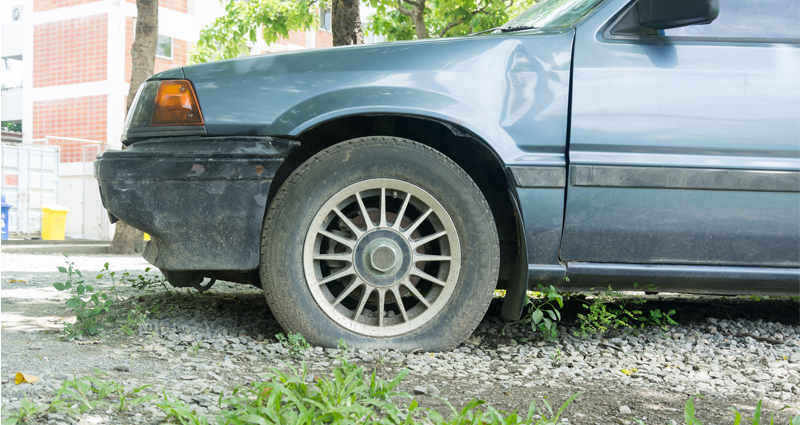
[{"x": 200, "y": 345}]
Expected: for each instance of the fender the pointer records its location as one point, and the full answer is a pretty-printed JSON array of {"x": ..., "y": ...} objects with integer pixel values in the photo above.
[{"x": 510, "y": 89}]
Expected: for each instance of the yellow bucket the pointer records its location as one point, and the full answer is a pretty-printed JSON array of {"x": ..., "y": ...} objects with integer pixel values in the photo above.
[{"x": 54, "y": 221}]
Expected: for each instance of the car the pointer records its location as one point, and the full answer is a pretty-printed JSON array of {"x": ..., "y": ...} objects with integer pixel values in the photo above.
[{"x": 381, "y": 193}]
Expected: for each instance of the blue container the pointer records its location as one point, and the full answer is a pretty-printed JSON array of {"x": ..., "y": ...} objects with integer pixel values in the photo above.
[{"x": 4, "y": 219}]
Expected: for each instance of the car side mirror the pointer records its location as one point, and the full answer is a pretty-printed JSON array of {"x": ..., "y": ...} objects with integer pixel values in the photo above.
[{"x": 665, "y": 14}]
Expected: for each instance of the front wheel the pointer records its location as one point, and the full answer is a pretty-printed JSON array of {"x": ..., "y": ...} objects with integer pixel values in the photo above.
[{"x": 382, "y": 242}]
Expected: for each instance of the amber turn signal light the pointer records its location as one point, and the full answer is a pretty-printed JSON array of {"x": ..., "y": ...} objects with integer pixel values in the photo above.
[{"x": 176, "y": 104}]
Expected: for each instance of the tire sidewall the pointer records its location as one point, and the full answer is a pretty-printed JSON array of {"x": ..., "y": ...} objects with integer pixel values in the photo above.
[{"x": 320, "y": 178}]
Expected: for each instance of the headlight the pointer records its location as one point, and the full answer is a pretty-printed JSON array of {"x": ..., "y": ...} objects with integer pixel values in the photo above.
[{"x": 164, "y": 108}]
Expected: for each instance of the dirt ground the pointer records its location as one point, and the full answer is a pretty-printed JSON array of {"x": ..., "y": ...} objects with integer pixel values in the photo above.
[{"x": 33, "y": 313}]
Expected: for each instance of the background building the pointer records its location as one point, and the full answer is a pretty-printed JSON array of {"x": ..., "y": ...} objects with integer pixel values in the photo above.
[{"x": 66, "y": 79}]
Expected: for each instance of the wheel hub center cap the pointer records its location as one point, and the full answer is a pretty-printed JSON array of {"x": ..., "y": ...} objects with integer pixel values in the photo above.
[{"x": 383, "y": 258}]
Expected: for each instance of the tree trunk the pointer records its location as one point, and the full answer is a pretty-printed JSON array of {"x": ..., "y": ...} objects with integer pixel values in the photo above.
[
  {"x": 346, "y": 23},
  {"x": 143, "y": 49},
  {"x": 143, "y": 55},
  {"x": 418, "y": 16}
]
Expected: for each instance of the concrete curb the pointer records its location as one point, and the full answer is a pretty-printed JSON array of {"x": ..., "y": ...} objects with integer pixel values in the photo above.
[{"x": 101, "y": 248}]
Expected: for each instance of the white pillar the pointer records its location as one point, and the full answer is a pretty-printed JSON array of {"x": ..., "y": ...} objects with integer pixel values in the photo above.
[{"x": 27, "y": 69}]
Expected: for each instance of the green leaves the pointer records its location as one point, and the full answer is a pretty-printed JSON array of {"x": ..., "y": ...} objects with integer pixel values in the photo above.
[
  {"x": 228, "y": 35},
  {"x": 537, "y": 316},
  {"x": 546, "y": 325},
  {"x": 688, "y": 413},
  {"x": 443, "y": 18},
  {"x": 272, "y": 20},
  {"x": 610, "y": 309},
  {"x": 90, "y": 313}
]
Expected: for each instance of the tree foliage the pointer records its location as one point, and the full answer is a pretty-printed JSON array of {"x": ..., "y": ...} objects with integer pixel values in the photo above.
[
  {"x": 228, "y": 35},
  {"x": 441, "y": 18}
]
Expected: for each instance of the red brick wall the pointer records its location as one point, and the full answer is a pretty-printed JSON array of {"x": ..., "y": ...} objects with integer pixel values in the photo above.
[
  {"x": 42, "y": 5},
  {"x": 295, "y": 37},
  {"x": 324, "y": 39},
  {"x": 180, "y": 53},
  {"x": 79, "y": 117},
  {"x": 179, "y": 5},
  {"x": 70, "y": 51}
]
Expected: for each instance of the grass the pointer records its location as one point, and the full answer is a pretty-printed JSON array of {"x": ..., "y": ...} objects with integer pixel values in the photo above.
[{"x": 350, "y": 396}]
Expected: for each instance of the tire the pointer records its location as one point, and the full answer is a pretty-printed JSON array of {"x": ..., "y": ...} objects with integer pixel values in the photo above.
[{"x": 319, "y": 256}]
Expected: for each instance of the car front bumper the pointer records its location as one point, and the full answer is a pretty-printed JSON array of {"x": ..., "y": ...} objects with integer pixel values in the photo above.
[{"x": 201, "y": 199}]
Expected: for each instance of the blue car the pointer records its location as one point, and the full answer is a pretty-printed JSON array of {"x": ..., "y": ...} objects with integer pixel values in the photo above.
[{"x": 381, "y": 193}]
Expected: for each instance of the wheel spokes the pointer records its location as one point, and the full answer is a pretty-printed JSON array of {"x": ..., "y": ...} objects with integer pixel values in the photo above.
[
  {"x": 417, "y": 272},
  {"x": 338, "y": 275},
  {"x": 367, "y": 221},
  {"x": 347, "y": 291},
  {"x": 405, "y": 230},
  {"x": 352, "y": 226},
  {"x": 342, "y": 240},
  {"x": 399, "y": 218},
  {"x": 407, "y": 233},
  {"x": 362, "y": 302},
  {"x": 423, "y": 257},
  {"x": 410, "y": 286},
  {"x": 381, "y": 306},
  {"x": 399, "y": 302},
  {"x": 422, "y": 241},
  {"x": 382, "y": 219},
  {"x": 334, "y": 257}
]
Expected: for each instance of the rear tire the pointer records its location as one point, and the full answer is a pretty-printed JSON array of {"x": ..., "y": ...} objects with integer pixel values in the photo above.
[{"x": 382, "y": 242}]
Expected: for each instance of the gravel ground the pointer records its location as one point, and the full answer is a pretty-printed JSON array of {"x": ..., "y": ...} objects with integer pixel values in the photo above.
[{"x": 732, "y": 351}]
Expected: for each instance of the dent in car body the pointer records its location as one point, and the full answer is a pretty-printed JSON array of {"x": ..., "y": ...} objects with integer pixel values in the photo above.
[{"x": 511, "y": 90}]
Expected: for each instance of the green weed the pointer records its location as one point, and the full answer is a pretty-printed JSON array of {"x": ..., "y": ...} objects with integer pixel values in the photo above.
[
  {"x": 295, "y": 343},
  {"x": 543, "y": 314},
  {"x": 132, "y": 320},
  {"x": 144, "y": 281},
  {"x": 612, "y": 310},
  {"x": 92, "y": 308}
]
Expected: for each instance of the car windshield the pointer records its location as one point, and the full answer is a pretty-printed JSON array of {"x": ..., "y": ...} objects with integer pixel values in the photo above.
[{"x": 553, "y": 13}]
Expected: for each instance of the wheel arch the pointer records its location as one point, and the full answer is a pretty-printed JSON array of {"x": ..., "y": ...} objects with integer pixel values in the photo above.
[{"x": 472, "y": 153}]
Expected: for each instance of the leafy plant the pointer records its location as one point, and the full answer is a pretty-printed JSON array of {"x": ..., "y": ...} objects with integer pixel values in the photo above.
[
  {"x": 295, "y": 343},
  {"x": 27, "y": 410},
  {"x": 543, "y": 315},
  {"x": 556, "y": 357},
  {"x": 144, "y": 281},
  {"x": 80, "y": 392},
  {"x": 129, "y": 398},
  {"x": 92, "y": 313},
  {"x": 132, "y": 320},
  {"x": 174, "y": 408},
  {"x": 613, "y": 310}
]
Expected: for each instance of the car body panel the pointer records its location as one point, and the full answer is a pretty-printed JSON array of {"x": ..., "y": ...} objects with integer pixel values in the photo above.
[
  {"x": 202, "y": 200},
  {"x": 696, "y": 107},
  {"x": 511, "y": 90},
  {"x": 169, "y": 74},
  {"x": 672, "y": 162}
]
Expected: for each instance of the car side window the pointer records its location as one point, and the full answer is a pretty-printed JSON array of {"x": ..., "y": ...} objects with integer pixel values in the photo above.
[{"x": 768, "y": 19}]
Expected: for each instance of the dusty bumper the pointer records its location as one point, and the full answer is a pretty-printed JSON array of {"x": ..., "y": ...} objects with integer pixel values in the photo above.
[{"x": 202, "y": 200}]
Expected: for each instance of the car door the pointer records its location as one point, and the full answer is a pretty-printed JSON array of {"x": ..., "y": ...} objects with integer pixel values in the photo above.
[{"x": 685, "y": 144}]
